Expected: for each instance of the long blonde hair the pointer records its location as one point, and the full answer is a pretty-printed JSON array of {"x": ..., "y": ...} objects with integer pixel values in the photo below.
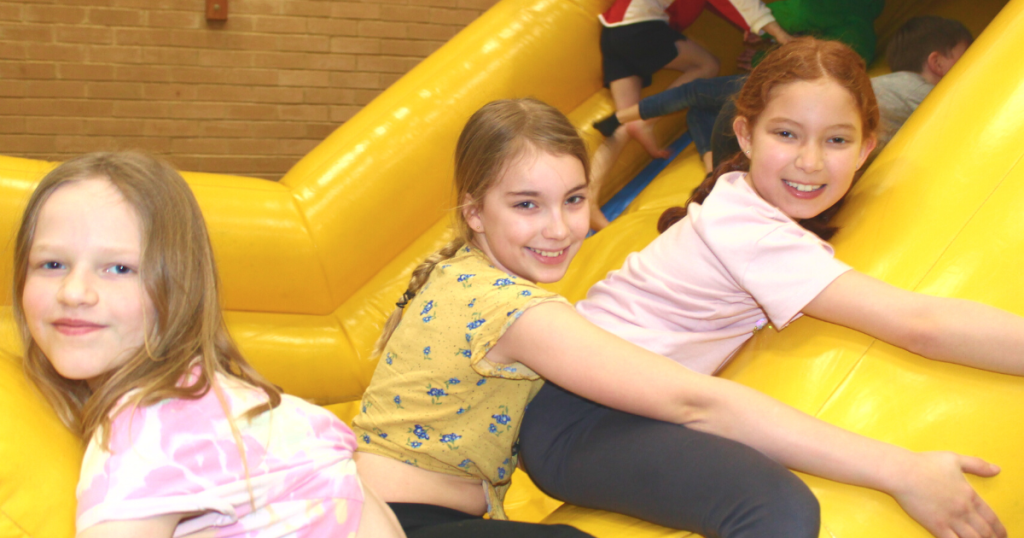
[
  {"x": 180, "y": 278},
  {"x": 494, "y": 136}
]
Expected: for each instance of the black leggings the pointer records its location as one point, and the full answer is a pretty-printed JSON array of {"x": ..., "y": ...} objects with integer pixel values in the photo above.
[
  {"x": 589, "y": 455},
  {"x": 430, "y": 521}
]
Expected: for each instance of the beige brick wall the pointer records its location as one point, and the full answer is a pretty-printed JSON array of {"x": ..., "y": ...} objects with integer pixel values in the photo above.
[{"x": 247, "y": 96}]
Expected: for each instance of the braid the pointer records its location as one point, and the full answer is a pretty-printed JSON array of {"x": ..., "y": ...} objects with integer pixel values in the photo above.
[
  {"x": 675, "y": 214},
  {"x": 418, "y": 279}
]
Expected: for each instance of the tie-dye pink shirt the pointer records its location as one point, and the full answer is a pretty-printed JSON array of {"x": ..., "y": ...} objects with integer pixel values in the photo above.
[{"x": 180, "y": 456}]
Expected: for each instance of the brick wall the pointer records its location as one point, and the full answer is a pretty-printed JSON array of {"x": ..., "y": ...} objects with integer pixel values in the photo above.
[{"x": 247, "y": 96}]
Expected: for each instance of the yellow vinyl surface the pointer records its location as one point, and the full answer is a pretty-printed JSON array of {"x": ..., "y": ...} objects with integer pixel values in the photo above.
[{"x": 312, "y": 265}]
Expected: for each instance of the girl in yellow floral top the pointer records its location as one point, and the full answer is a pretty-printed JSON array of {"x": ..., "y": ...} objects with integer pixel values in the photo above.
[
  {"x": 441, "y": 417},
  {"x": 473, "y": 337}
]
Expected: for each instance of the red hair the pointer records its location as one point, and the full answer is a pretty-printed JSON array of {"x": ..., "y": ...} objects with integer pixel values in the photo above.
[{"x": 802, "y": 59}]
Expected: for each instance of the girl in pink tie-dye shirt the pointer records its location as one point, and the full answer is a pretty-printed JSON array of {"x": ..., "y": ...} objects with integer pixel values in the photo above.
[{"x": 124, "y": 336}]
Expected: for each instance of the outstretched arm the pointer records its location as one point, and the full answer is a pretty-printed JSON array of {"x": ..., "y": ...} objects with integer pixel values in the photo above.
[
  {"x": 560, "y": 345},
  {"x": 940, "y": 328}
]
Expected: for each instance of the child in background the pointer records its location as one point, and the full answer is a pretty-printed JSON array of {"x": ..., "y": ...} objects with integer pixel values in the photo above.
[
  {"x": 704, "y": 99},
  {"x": 640, "y": 37},
  {"x": 921, "y": 52},
  {"x": 117, "y": 304},
  {"x": 750, "y": 252}
]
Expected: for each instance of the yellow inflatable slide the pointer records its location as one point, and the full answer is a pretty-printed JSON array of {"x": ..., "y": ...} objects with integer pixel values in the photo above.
[{"x": 312, "y": 265}]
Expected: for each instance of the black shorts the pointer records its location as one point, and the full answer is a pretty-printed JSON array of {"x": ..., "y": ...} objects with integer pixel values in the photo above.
[{"x": 637, "y": 49}]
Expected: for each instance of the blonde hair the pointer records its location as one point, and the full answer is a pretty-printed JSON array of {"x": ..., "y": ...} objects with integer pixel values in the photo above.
[
  {"x": 496, "y": 135},
  {"x": 180, "y": 278}
]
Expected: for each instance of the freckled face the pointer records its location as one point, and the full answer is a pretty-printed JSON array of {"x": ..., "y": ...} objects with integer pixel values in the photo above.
[
  {"x": 84, "y": 301},
  {"x": 533, "y": 220},
  {"x": 805, "y": 147}
]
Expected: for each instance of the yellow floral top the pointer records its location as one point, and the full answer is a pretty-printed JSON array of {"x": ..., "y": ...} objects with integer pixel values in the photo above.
[{"x": 435, "y": 401}]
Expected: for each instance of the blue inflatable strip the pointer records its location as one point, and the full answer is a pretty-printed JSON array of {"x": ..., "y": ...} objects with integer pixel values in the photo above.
[{"x": 614, "y": 207}]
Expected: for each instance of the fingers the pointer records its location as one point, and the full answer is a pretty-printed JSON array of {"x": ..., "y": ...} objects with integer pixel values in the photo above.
[
  {"x": 985, "y": 513},
  {"x": 977, "y": 520},
  {"x": 978, "y": 466}
]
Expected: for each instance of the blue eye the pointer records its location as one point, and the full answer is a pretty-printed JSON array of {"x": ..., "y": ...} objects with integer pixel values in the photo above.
[
  {"x": 119, "y": 269},
  {"x": 52, "y": 265}
]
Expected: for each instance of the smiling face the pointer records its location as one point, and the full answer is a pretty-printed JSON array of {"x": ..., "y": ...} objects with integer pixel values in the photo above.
[
  {"x": 805, "y": 146},
  {"x": 84, "y": 301},
  {"x": 533, "y": 220}
]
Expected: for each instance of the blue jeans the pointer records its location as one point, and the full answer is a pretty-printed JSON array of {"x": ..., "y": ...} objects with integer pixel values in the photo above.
[{"x": 704, "y": 97}]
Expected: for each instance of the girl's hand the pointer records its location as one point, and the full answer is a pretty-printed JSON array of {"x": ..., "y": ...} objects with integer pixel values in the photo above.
[
  {"x": 936, "y": 494},
  {"x": 776, "y": 31}
]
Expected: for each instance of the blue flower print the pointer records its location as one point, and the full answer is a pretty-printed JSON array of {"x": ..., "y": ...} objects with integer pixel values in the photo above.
[
  {"x": 502, "y": 419},
  {"x": 414, "y": 444},
  {"x": 366, "y": 438},
  {"x": 509, "y": 314},
  {"x": 506, "y": 461},
  {"x": 501, "y": 473},
  {"x": 390, "y": 358},
  {"x": 449, "y": 439},
  {"x": 420, "y": 432},
  {"x": 481, "y": 382},
  {"x": 463, "y": 410},
  {"x": 427, "y": 308},
  {"x": 472, "y": 303},
  {"x": 452, "y": 381},
  {"x": 427, "y": 319},
  {"x": 476, "y": 323},
  {"x": 398, "y": 401},
  {"x": 436, "y": 394},
  {"x": 502, "y": 282},
  {"x": 469, "y": 338},
  {"x": 466, "y": 249},
  {"x": 525, "y": 293},
  {"x": 464, "y": 277},
  {"x": 380, "y": 433},
  {"x": 465, "y": 353},
  {"x": 426, "y": 353},
  {"x": 465, "y": 463}
]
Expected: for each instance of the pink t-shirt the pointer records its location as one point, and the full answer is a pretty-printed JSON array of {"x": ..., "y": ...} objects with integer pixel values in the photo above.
[
  {"x": 703, "y": 287},
  {"x": 180, "y": 455}
]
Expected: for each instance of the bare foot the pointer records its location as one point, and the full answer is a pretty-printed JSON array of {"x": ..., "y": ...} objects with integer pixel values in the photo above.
[{"x": 643, "y": 132}]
